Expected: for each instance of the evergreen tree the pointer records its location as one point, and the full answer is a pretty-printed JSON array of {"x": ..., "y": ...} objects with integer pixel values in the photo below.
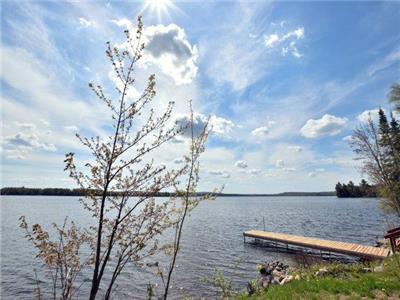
[{"x": 394, "y": 96}]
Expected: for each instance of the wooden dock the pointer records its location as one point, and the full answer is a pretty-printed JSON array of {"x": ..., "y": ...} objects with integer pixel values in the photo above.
[{"x": 368, "y": 252}]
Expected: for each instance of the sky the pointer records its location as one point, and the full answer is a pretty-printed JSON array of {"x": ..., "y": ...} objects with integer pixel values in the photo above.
[{"x": 284, "y": 84}]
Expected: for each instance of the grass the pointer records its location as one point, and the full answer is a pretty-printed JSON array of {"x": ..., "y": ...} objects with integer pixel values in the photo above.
[{"x": 340, "y": 282}]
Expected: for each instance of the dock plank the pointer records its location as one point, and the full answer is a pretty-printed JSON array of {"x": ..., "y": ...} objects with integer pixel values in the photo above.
[{"x": 320, "y": 244}]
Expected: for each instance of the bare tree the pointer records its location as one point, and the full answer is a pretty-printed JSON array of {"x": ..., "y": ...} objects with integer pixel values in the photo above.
[
  {"x": 123, "y": 179},
  {"x": 366, "y": 144},
  {"x": 61, "y": 257},
  {"x": 187, "y": 196}
]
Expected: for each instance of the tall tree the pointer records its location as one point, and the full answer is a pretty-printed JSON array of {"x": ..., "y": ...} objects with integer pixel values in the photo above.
[
  {"x": 377, "y": 147},
  {"x": 126, "y": 229},
  {"x": 394, "y": 96}
]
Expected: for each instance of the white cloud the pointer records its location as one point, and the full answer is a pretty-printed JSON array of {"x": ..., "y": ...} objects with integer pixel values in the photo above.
[
  {"x": 71, "y": 128},
  {"x": 260, "y": 132},
  {"x": 220, "y": 127},
  {"x": 312, "y": 174},
  {"x": 289, "y": 169},
  {"x": 223, "y": 174},
  {"x": 229, "y": 54},
  {"x": 279, "y": 163},
  {"x": 241, "y": 164},
  {"x": 25, "y": 126},
  {"x": 85, "y": 23},
  {"x": 168, "y": 47},
  {"x": 30, "y": 141},
  {"x": 254, "y": 171},
  {"x": 123, "y": 22},
  {"x": 295, "y": 148},
  {"x": 178, "y": 160},
  {"x": 271, "y": 40},
  {"x": 372, "y": 114},
  {"x": 347, "y": 138},
  {"x": 287, "y": 41},
  {"x": 328, "y": 125},
  {"x": 16, "y": 157},
  {"x": 298, "y": 34},
  {"x": 45, "y": 122}
]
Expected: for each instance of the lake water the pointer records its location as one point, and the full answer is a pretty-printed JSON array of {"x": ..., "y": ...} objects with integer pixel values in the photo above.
[{"x": 212, "y": 238}]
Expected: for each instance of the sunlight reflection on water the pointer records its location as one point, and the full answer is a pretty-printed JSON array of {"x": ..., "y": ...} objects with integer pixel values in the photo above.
[{"x": 212, "y": 238}]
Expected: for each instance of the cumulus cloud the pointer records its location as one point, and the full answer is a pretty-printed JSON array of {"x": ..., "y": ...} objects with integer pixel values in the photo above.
[
  {"x": 260, "y": 132},
  {"x": 30, "y": 141},
  {"x": 263, "y": 131},
  {"x": 366, "y": 115},
  {"x": 220, "y": 127},
  {"x": 287, "y": 41},
  {"x": 241, "y": 164},
  {"x": 312, "y": 174},
  {"x": 168, "y": 48},
  {"x": 289, "y": 169},
  {"x": 328, "y": 125}
]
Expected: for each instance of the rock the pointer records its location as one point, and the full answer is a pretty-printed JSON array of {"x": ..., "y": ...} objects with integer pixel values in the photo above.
[
  {"x": 378, "y": 269},
  {"x": 287, "y": 279},
  {"x": 152, "y": 265},
  {"x": 297, "y": 277},
  {"x": 321, "y": 272},
  {"x": 367, "y": 270},
  {"x": 250, "y": 288},
  {"x": 273, "y": 273}
]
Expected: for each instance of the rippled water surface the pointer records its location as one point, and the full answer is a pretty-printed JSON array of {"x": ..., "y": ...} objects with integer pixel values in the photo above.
[{"x": 212, "y": 238}]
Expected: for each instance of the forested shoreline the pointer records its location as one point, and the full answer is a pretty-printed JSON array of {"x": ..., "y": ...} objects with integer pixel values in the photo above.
[
  {"x": 350, "y": 190},
  {"x": 23, "y": 191}
]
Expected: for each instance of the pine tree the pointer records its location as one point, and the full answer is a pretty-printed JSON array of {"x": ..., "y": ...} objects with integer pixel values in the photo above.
[{"x": 394, "y": 96}]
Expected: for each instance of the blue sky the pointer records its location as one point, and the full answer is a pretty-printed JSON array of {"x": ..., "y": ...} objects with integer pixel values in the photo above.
[{"x": 284, "y": 83}]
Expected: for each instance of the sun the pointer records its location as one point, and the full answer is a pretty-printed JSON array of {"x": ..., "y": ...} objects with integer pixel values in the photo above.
[{"x": 159, "y": 7}]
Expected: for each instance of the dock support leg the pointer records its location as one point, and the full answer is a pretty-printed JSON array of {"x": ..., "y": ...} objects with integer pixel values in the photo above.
[{"x": 244, "y": 239}]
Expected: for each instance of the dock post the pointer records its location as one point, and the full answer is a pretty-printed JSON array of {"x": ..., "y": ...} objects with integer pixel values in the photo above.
[{"x": 244, "y": 238}]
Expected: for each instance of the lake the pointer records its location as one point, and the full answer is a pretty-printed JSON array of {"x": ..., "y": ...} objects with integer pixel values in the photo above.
[{"x": 212, "y": 238}]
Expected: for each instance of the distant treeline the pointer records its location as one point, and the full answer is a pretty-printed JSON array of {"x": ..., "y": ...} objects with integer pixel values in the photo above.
[
  {"x": 351, "y": 190},
  {"x": 23, "y": 191}
]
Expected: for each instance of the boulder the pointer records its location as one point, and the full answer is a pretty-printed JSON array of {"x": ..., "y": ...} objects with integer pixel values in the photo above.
[
  {"x": 321, "y": 272},
  {"x": 378, "y": 269}
]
